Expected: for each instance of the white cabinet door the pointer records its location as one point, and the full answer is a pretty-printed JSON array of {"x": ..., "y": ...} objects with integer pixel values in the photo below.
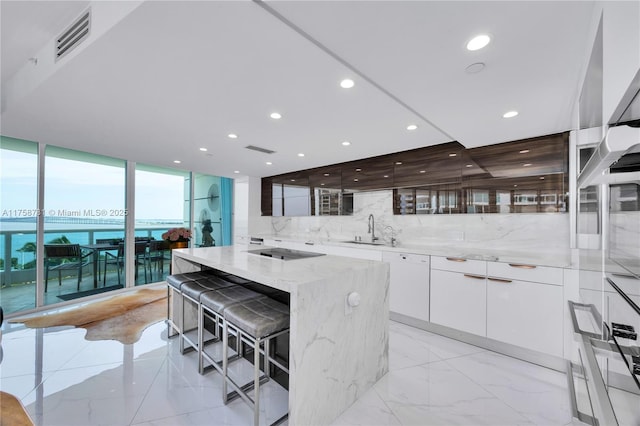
[
  {"x": 459, "y": 301},
  {"x": 409, "y": 287},
  {"x": 526, "y": 314}
]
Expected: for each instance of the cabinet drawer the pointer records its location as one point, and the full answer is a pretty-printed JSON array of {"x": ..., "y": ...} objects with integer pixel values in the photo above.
[
  {"x": 455, "y": 264},
  {"x": 524, "y": 272}
]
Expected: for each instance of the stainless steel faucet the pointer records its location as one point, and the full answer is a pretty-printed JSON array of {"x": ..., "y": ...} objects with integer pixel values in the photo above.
[{"x": 372, "y": 228}]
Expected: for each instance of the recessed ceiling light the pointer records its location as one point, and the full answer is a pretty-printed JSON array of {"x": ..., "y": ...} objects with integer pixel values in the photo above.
[
  {"x": 526, "y": 164},
  {"x": 398, "y": 163},
  {"x": 469, "y": 165},
  {"x": 236, "y": 171},
  {"x": 276, "y": 115},
  {"x": 232, "y": 136},
  {"x": 510, "y": 114},
  {"x": 423, "y": 171},
  {"x": 346, "y": 143},
  {"x": 474, "y": 68},
  {"x": 541, "y": 177},
  {"x": 322, "y": 184},
  {"x": 412, "y": 127},
  {"x": 358, "y": 170},
  {"x": 386, "y": 176},
  {"x": 478, "y": 42},
  {"x": 347, "y": 83},
  {"x": 355, "y": 180},
  {"x": 268, "y": 163},
  {"x": 524, "y": 151},
  {"x": 293, "y": 180},
  {"x": 515, "y": 186},
  {"x": 203, "y": 149},
  {"x": 177, "y": 161},
  {"x": 326, "y": 174},
  {"x": 300, "y": 154},
  {"x": 453, "y": 154}
]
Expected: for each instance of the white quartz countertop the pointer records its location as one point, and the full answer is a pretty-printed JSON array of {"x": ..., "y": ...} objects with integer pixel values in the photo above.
[
  {"x": 277, "y": 273},
  {"x": 570, "y": 258}
]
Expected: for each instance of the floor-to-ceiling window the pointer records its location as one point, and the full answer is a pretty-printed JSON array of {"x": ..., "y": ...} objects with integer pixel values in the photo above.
[
  {"x": 18, "y": 216},
  {"x": 212, "y": 201},
  {"x": 160, "y": 195},
  {"x": 84, "y": 209},
  {"x": 84, "y": 203}
]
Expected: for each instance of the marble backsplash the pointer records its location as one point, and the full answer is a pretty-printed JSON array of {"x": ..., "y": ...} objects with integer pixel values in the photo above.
[{"x": 547, "y": 232}]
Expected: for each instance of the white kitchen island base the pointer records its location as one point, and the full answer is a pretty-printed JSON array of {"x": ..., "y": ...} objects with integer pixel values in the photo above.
[{"x": 336, "y": 351}]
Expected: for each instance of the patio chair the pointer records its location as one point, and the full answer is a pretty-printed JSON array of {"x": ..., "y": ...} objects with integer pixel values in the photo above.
[
  {"x": 64, "y": 257},
  {"x": 141, "y": 258},
  {"x": 158, "y": 252},
  {"x": 110, "y": 241},
  {"x": 113, "y": 259}
]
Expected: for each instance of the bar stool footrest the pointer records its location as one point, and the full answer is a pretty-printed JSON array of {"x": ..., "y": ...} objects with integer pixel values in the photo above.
[{"x": 244, "y": 388}]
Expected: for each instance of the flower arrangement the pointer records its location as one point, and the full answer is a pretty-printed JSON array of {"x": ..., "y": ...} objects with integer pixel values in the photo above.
[{"x": 174, "y": 235}]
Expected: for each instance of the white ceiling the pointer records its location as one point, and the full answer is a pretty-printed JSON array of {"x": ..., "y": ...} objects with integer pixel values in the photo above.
[{"x": 175, "y": 76}]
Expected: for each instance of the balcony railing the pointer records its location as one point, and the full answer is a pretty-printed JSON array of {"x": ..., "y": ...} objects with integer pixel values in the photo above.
[{"x": 18, "y": 271}]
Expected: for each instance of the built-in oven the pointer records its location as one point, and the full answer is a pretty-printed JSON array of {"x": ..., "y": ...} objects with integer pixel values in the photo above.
[{"x": 605, "y": 379}]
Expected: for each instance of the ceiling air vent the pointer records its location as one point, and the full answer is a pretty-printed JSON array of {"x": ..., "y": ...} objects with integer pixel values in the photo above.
[
  {"x": 73, "y": 35},
  {"x": 257, "y": 148}
]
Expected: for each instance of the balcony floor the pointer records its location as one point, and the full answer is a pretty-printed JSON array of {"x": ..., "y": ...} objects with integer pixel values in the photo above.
[{"x": 22, "y": 296}]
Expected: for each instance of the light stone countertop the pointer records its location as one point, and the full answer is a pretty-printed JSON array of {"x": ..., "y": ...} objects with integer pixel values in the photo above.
[
  {"x": 569, "y": 258},
  {"x": 283, "y": 275}
]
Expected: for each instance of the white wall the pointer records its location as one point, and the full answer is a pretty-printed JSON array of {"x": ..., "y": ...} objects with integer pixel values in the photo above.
[
  {"x": 621, "y": 51},
  {"x": 246, "y": 207}
]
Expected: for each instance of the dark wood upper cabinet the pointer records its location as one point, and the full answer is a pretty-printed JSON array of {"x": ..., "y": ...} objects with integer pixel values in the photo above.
[
  {"x": 524, "y": 176},
  {"x": 368, "y": 174},
  {"x": 439, "y": 164}
]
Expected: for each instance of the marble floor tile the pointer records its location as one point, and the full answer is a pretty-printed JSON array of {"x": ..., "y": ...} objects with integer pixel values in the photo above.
[
  {"x": 407, "y": 351},
  {"x": 64, "y": 380},
  {"x": 436, "y": 393},
  {"x": 369, "y": 410},
  {"x": 101, "y": 394},
  {"x": 55, "y": 348},
  {"x": 537, "y": 393},
  {"x": 443, "y": 347}
]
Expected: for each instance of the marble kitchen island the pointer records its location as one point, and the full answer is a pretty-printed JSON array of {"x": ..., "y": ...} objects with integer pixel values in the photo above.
[{"x": 336, "y": 352}]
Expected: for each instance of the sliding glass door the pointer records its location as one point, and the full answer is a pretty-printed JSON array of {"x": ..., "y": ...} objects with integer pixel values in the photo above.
[
  {"x": 18, "y": 220},
  {"x": 84, "y": 222}
]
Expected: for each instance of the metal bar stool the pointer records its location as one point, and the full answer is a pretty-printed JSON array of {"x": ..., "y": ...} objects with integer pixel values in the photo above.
[
  {"x": 191, "y": 292},
  {"x": 255, "y": 322},
  {"x": 212, "y": 306},
  {"x": 174, "y": 284}
]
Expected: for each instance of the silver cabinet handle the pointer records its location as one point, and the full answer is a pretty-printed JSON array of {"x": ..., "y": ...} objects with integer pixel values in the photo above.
[
  {"x": 521, "y": 266},
  {"x": 500, "y": 280},
  {"x": 456, "y": 259},
  {"x": 309, "y": 243},
  {"x": 477, "y": 277}
]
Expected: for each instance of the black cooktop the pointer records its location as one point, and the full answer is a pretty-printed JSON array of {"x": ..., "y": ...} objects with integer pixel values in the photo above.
[{"x": 284, "y": 254}]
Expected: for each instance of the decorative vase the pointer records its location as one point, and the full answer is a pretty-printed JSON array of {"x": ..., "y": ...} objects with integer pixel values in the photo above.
[{"x": 178, "y": 244}]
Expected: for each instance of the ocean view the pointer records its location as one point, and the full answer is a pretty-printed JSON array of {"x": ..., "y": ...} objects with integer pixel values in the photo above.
[{"x": 77, "y": 230}]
